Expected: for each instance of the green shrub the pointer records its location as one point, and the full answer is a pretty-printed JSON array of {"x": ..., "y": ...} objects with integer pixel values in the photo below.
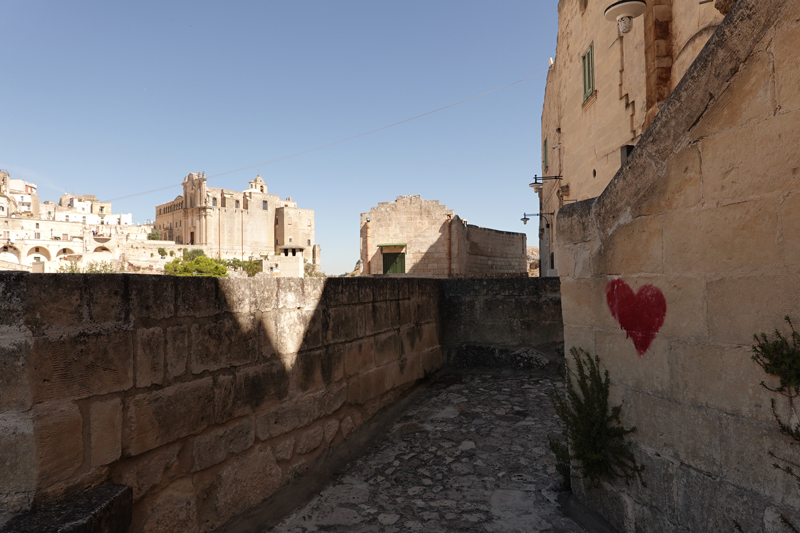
[
  {"x": 154, "y": 235},
  {"x": 199, "y": 266},
  {"x": 162, "y": 252},
  {"x": 172, "y": 253},
  {"x": 193, "y": 254},
  {"x": 93, "y": 267},
  {"x": 780, "y": 357},
  {"x": 594, "y": 432}
]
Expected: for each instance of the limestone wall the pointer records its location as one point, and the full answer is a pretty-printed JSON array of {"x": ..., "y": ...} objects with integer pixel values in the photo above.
[
  {"x": 436, "y": 242},
  {"x": 204, "y": 395},
  {"x": 501, "y": 312},
  {"x": 691, "y": 249},
  {"x": 490, "y": 251}
]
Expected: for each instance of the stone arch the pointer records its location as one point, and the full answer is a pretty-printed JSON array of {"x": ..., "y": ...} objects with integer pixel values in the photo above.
[
  {"x": 11, "y": 254},
  {"x": 64, "y": 251},
  {"x": 37, "y": 253},
  {"x": 102, "y": 250}
]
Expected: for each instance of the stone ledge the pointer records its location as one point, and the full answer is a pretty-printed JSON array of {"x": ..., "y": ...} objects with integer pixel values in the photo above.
[{"x": 103, "y": 509}]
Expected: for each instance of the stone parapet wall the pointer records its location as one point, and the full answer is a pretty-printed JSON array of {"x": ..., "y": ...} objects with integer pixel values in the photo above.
[
  {"x": 204, "y": 395},
  {"x": 491, "y": 251},
  {"x": 503, "y": 312},
  {"x": 207, "y": 395},
  {"x": 690, "y": 250}
]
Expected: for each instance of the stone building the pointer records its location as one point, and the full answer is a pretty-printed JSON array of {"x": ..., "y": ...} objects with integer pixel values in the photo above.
[
  {"x": 603, "y": 91},
  {"x": 34, "y": 233},
  {"x": 424, "y": 238},
  {"x": 252, "y": 223},
  {"x": 691, "y": 249}
]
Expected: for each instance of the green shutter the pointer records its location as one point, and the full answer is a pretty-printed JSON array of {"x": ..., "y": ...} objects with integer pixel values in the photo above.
[
  {"x": 544, "y": 155},
  {"x": 394, "y": 263},
  {"x": 587, "y": 63}
]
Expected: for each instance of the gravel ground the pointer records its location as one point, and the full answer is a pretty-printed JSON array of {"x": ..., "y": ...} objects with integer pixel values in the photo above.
[{"x": 470, "y": 455}]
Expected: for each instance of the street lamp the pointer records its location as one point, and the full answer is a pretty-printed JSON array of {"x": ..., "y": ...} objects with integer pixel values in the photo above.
[
  {"x": 538, "y": 180},
  {"x": 525, "y": 218}
]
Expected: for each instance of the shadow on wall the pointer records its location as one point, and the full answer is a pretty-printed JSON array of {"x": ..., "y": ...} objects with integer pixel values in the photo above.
[{"x": 204, "y": 395}]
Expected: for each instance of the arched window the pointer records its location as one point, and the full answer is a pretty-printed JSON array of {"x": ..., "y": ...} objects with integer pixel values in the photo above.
[
  {"x": 237, "y": 204},
  {"x": 213, "y": 202}
]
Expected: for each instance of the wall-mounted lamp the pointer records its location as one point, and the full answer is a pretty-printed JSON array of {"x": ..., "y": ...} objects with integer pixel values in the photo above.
[
  {"x": 624, "y": 12},
  {"x": 525, "y": 218},
  {"x": 538, "y": 180}
]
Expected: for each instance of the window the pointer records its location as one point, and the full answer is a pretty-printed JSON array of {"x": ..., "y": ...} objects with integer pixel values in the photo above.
[
  {"x": 544, "y": 155},
  {"x": 290, "y": 239},
  {"x": 37, "y": 236},
  {"x": 587, "y": 62},
  {"x": 264, "y": 205},
  {"x": 237, "y": 204},
  {"x": 102, "y": 209},
  {"x": 213, "y": 202},
  {"x": 309, "y": 242},
  {"x": 37, "y": 225}
]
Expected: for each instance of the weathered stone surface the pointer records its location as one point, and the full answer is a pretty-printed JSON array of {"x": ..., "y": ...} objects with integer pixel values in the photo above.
[
  {"x": 103, "y": 509},
  {"x": 14, "y": 369},
  {"x": 196, "y": 297},
  {"x": 487, "y": 468},
  {"x": 333, "y": 398},
  {"x": 146, "y": 471},
  {"x": 13, "y": 287},
  {"x": 246, "y": 481},
  {"x": 149, "y": 357},
  {"x": 223, "y": 343},
  {"x": 344, "y": 323},
  {"x": 177, "y": 351},
  {"x": 213, "y": 446},
  {"x": 373, "y": 383},
  {"x": 174, "y": 510},
  {"x": 284, "y": 449},
  {"x": 80, "y": 366},
  {"x": 18, "y": 453},
  {"x": 359, "y": 356},
  {"x": 259, "y": 385},
  {"x": 310, "y": 440},
  {"x": 152, "y": 296},
  {"x": 347, "y": 426},
  {"x": 106, "y": 431},
  {"x": 330, "y": 428},
  {"x": 236, "y": 296},
  {"x": 161, "y": 417},
  {"x": 288, "y": 416},
  {"x": 53, "y": 303},
  {"x": 58, "y": 428}
]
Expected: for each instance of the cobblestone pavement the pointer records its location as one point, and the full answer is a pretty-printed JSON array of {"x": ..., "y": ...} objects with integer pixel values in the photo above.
[{"x": 470, "y": 455}]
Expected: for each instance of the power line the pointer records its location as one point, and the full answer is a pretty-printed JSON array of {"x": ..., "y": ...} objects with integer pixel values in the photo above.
[{"x": 339, "y": 141}]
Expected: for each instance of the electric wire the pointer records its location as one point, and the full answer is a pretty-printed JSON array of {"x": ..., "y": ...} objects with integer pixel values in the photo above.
[{"x": 327, "y": 145}]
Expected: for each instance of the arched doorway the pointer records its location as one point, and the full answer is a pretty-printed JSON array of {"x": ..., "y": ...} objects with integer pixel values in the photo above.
[{"x": 10, "y": 254}]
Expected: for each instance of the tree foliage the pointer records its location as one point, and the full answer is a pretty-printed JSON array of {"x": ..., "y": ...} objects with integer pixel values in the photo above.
[
  {"x": 154, "y": 235},
  {"x": 595, "y": 435},
  {"x": 199, "y": 266}
]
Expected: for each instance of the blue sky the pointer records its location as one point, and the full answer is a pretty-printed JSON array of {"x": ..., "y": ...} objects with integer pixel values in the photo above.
[{"x": 114, "y": 99}]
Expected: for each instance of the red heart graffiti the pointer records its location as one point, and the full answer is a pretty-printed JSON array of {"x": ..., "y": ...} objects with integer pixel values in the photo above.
[{"x": 640, "y": 314}]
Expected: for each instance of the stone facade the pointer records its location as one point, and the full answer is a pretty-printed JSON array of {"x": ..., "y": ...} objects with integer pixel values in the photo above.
[
  {"x": 588, "y": 134},
  {"x": 691, "y": 249},
  {"x": 206, "y": 395},
  {"x": 242, "y": 225},
  {"x": 434, "y": 242}
]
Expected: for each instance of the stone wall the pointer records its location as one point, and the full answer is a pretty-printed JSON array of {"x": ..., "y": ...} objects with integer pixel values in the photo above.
[
  {"x": 501, "y": 312},
  {"x": 583, "y": 138},
  {"x": 436, "y": 242},
  {"x": 490, "y": 251},
  {"x": 206, "y": 395},
  {"x": 690, "y": 250}
]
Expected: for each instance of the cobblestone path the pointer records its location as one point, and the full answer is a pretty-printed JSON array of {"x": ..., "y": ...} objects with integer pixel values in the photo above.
[{"x": 471, "y": 455}]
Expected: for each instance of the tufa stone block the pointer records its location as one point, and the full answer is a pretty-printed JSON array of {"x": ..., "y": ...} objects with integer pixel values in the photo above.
[{"x": 106, "y": 431}]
